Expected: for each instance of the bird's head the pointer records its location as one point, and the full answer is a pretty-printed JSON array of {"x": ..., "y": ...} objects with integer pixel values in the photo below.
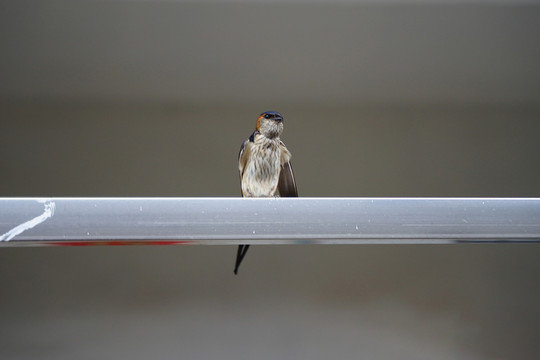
[{"x": 270, "y": 124}]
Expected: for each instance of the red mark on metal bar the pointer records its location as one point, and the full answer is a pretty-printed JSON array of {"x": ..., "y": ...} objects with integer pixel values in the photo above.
[{"x": 118, "y": 243}]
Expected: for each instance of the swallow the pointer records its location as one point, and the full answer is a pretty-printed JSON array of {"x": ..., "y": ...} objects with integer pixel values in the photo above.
[{"x": 265, "y": 166}]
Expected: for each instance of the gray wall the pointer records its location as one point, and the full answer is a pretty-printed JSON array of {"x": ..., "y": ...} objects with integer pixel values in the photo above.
[{"x": 152, "y": 98}]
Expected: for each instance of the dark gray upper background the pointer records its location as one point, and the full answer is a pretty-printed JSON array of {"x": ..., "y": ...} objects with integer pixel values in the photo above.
[
  {"x": 153, "y": 98},
  {"x": 167, "y": 51}
]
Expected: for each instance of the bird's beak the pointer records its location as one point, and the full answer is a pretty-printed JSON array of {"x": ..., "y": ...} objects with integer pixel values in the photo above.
[{"x": 278, "y": 119}]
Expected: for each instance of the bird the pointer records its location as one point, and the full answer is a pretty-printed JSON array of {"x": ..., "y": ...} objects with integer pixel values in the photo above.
[{"x": 265, "y": 166}]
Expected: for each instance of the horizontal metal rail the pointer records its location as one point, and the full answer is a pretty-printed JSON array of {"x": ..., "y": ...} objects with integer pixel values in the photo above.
[{"x": 229, "y": 221}]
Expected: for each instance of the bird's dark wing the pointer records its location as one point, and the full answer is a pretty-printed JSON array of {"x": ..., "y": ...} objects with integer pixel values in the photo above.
[
  {"x": 243, "y": 156},
  {"x": 245, "y": 152},
  {"x": 287, "y": 184}
]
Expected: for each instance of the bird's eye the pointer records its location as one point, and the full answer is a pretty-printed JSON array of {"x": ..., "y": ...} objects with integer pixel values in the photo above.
[{"x": 266, "y": 116}]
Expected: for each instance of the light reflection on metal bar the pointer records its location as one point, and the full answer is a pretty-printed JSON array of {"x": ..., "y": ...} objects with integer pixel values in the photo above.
[{"x": 230, "y": 221}]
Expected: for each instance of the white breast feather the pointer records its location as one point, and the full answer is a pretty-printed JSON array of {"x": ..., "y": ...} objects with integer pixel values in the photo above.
[{"x": 261, "y": 172}]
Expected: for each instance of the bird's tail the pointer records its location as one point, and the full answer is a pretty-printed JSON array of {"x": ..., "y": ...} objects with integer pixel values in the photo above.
[{"x": 242, "y": 250}]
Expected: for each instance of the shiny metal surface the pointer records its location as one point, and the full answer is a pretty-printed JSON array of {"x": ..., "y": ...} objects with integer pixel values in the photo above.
[{"x": 228, "y": 221}]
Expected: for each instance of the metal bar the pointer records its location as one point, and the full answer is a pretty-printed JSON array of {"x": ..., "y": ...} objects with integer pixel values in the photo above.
[{"x": 229, "y": 221}]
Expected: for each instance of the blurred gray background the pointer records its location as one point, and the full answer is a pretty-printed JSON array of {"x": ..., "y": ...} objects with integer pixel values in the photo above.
[{"x": 153, "y": 98}]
